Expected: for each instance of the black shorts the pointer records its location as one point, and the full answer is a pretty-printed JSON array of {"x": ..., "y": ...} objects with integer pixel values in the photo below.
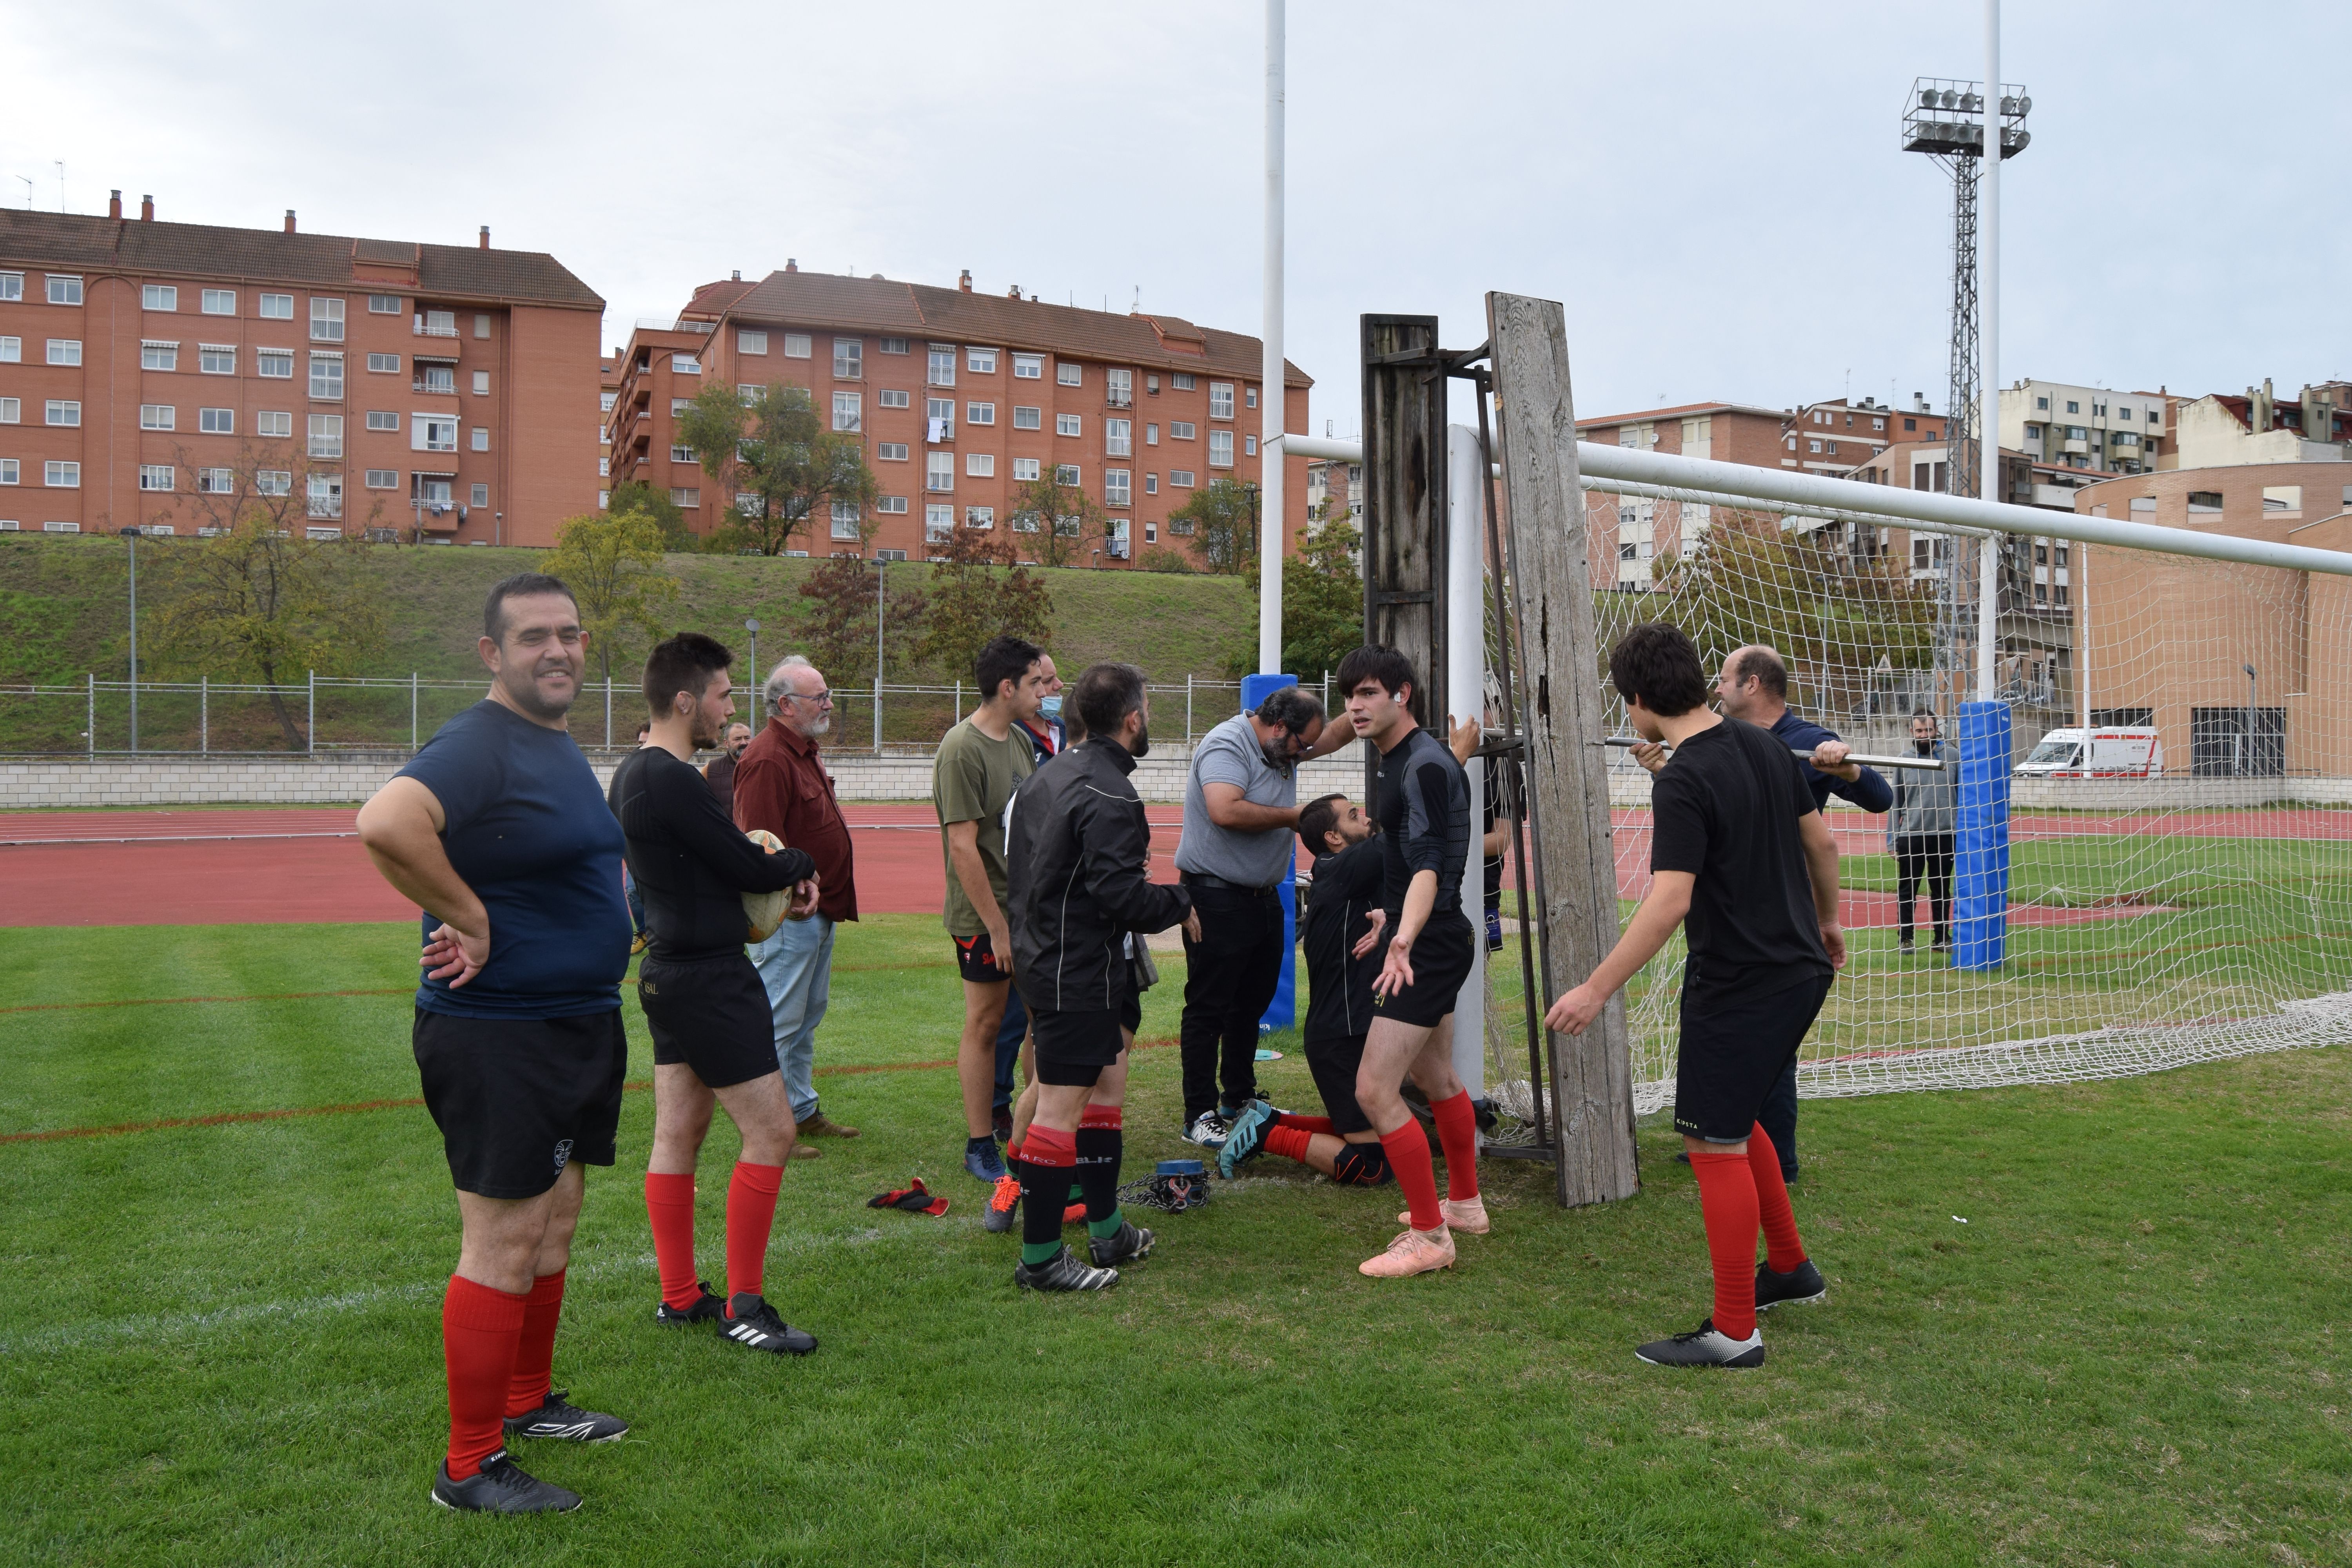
[
  {"x": 711, "y": 1014},
  {"x": 1334, "y": 1063},
  {"x": 517, "y": 1100},
  {"x": 976, "y": 960},
  {"x": 1441, "y": 955},
  {"x": 1073, "y": 1047},
  {"x": 1733, "y": 1049}
]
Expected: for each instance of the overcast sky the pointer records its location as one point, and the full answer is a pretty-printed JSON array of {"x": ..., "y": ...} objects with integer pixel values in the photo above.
[{"x": 1716, "y": 187}]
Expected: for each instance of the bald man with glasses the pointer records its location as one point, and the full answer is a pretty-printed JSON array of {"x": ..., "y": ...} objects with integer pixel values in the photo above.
[{"x": 782, "y": 784}]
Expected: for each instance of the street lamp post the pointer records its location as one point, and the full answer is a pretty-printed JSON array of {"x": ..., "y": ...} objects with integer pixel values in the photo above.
[
  {"x": 2248, "y": 751},
  {"x": 881, "y": 602},
  {"x": 132, "y": 535},
  {"x": 758, "y": 690}
]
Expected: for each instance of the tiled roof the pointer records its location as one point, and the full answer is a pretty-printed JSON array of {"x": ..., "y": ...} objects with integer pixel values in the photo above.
[
  {"x": 1679, "y": 411},
  {"x": 919, "y": 311},
  {"x": 457, "y": 272}
]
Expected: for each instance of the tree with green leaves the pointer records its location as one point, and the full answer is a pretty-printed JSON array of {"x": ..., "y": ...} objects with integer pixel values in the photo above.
[
  {"x": 1078, "y": 522},
  {"x": 979, "y": 590},
  {"x": 1220, "y": 515},
  {"x": 635, "y": 495},
  {"x": 846, "y": 597},
  {"x": 612, "y": 561},
  {"x": 1322, "y": 599},
  {"x": 772, "y": 463}
]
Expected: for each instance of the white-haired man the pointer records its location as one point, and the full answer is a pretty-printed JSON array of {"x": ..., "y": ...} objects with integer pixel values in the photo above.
[{"x": 782, "y": 784}]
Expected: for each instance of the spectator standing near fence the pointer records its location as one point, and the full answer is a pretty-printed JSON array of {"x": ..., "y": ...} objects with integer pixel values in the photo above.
[
  {"x": 1241, "y": 814},
  {"x": 1919, "y": 834},
  {"x": 782, "y": 784},
  {"x": 1047, "y": 736},
  {"x": 720, "y": 773}
]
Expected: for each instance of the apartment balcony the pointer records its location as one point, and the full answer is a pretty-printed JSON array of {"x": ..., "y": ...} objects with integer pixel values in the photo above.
[
  {"x": 1119, "y": 399},
  {"x": 2080, "y": 449},
  {"x": 435, "y": 386},
  {"x": 433, "y": 329}
]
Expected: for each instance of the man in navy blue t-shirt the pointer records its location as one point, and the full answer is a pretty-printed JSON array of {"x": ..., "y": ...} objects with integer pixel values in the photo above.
[{"x": 496, "y": 829}]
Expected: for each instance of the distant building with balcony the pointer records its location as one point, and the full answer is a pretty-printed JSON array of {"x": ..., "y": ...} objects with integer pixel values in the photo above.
[
  {"x": 2223, "y": 431},
  {"x": 149, "y": 370},
  {"x": 2086, "y": 428}
]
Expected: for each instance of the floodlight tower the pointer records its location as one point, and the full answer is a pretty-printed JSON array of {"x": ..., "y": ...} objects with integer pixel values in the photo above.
[{"x": 1951, "y": 122}]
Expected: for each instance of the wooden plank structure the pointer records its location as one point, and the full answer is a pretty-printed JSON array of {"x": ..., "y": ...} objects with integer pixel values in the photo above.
[{"x": 1404, "y": 522}]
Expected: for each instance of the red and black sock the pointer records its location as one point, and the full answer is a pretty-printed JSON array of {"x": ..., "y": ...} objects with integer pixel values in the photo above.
[
  {"x": 1457, "y": 1134},
  {"x": 534, "y": 1365},
  {"x": 1048, "y": 1161},
  {"x": 1098, "y": 1148},
  {"x": 1408, "y": 1152},
  {"x": 669, "y": 1208},
  {"x": 751, "y": 1216},
  {"x": 481, "y": 1330},
  {"x": 1783, "y": 1250},
  {"x": 1726, "y": 1197},
  {"x": 1290, "y": 1142}
]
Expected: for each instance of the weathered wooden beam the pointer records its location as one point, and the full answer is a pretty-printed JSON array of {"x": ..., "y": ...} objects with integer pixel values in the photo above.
[
  {"x": 1562, "y": 709},
  {"x": 1404, "y": 516}
]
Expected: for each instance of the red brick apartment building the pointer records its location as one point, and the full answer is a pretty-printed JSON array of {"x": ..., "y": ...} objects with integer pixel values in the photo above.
[
  {"x": 959, "y": 398},
  {"x": 148, "y": 370}
]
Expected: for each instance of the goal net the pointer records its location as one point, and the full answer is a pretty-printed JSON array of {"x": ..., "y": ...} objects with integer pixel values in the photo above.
[{"x": 2179, "y": 834}]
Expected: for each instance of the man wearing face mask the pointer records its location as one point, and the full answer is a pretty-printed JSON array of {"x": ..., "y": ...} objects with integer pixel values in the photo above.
[
  {"x": 1241, "y": 813},
  {"x": 1920, "y": 835}
]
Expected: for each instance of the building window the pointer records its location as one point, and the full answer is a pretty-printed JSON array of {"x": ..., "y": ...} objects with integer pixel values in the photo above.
[
  {"x": 217, "y": 421},
  {"x": 385, "y": 304},
  {"x": 1068, "y": 375},
  {"x": 216, "y": 481},
  {"x": 894, "y": 345},
  {"x": 939, "y": 416},
  {"x": 383, "y": 365},
  {"x": 684, "y": 495},
  {"x": 943, "y": 358},
  {"x": 979, "y": 413},
  {"x": 751, "y": 341},
  {"x": 1182, "y": 381},
  {"x": 12, "y": 286},
  {"x": 849, "y": 358},
  {"x": 679, "y": 405},
  {"x": 326, "y": 435},
  {"x": 1115, "y": 486},
  {"x": 1151, "y": 435},
  {"x": 1065, "y": 473},
  {"x": 158, "y": 356},
  {"x": 1221, "y": 400},
  {"x": 7, "y": 471},
  {"x": 1119, "y": 438},
  {"x": 897, "y": 504},
  {"x": 481, "y": 384},
  {"x": 12, "y": 350},
  {"x": 63, "y": 412},
  {"x": 216, "y": 359},
  {"x": 1249, "y": 446},
  {"x": 481, "y": 434},
  {"x": 1028, "y": 367},
  {"x": 1024, "y": 469},
  {"x": 1179, "y": 479},
  {"x": 273, "y": 423},
  {"x": 382, "y": 419},
  {"x": 158, "y": 297},
  {"x": 1151, "y": 533},
  {"x": 980, "y": 465},
  {"x": 979, "y": 517},
  {"x": 64, "y": 291},
  {"x": 327, "y": 377},
  {"x": 273, "y": 365},
  {"x": 797, "y": 345},
  {"x": 65, "y": 351},
  {"x": 1183, "y": 430},
  {"x": 1119, "y": 388},
  {"x": 158, "y": 416},
  {"x": 848, "y": 411},
  {"x": 1249, "y": 397},
  {"x": 846, "y": 520},
  {"x": 432, "y": 432},
  {"x": 890, "y": 452},
  {"x": 481, "y": 325},
  {"x": 435, "y": 324},
  {"x": 939, "y": 521},
  {"x": 1813, "y": 446},
  {"x": 481, "y": 495},
  {"x": 273, "y": 483},
  {"x": 748, "y": 504},
  {"x": 606, "y": 400},
  {"x": 1027, "y": 418},
  {"x": 896, "y": 399},
  {"x": 155, "y": 476},
  {"x": 980, "y": 361},
  {"x": 938, "y": 472},
  {"x": 1151, "y": 484},
  {"x": 61, "y": 476},
  {"x": 277, "y": 307},
  {"x": 1221, "y": 448},
  {"x": 325, "y": 494},
  {"x": 382, "y": 479},
  {"x": 1025, "y": 523},
  {"x": 1067, "y": 423},
  {"x": 326, "y": 320}
]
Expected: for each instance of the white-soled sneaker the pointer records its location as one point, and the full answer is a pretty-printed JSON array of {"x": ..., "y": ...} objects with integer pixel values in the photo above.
[
  {"x": 1467, "y": 1215},
  {"x": 1705, "y": 1345},
  {"x": 1208, "y": 1130}
]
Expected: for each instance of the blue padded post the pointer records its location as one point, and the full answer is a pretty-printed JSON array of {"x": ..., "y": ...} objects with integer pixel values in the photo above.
[
  {"x": 1284, "y": 1011},
  {"x": 1980, "y": 870}
]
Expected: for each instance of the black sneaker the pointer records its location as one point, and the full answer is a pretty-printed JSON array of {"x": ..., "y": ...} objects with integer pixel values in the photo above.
[
  {"x": 1705, "y": 1345},
  {"x": 1803, "y": 1283},
  {"x": 559, "y": 1417},
  {"x": 1132, "y": 1244},
  {"x": 1062, "y": 1271},
  {"x": 502, "y": 1486},
  {"x": 708, "y": 1309},
  {"x": 753, "y": 1324}
]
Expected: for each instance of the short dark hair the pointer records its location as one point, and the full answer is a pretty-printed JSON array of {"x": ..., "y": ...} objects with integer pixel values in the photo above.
[
  {"x": 683, "y": 663},
  {"x": 645, "y": 727},
  {"x": 1105, "y": 695},
  {"x": 1924, "y": 711},
  {"x": 1385, "y": 665},
  {"x": 522, "y": 584},
  {"x": 1656, "y": 662},
  {"x": 1762, "y": 666},
  {"x": 1292, "y": 707},
  {"x": 1003, "y": 659},
  {"x": 1315, "y": 818}
]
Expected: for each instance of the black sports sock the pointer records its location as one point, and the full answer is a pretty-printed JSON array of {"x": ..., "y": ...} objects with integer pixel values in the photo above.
[
  {"x": 1101, "y": 1150},
  {"x": 1042, "y": 1200}
]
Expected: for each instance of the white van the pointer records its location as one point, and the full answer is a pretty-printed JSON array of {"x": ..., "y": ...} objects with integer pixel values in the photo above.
[{"x": 2116, "y": 754}]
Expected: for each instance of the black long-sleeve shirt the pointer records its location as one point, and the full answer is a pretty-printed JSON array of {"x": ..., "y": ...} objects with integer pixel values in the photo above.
[
  {"x": 1425, "y": 816},
  {"x": 692, "y": 862},
  {"x": 1346, "y": 890}
]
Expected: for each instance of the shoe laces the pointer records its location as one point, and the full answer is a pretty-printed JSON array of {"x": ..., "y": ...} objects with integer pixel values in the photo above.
[
  {"x": 1410, "y": 1240},
  {"x": 1007, "y": 1194}
]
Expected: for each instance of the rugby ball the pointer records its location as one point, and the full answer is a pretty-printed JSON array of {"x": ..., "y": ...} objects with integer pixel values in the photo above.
[{"x": 763, "y": 912}]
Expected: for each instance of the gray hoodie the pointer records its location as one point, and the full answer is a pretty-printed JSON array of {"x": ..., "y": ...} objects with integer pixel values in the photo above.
[{"x": 1926, "y": 804}]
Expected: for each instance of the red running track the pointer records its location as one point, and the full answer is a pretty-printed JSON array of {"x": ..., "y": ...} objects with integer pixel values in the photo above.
[{"x": 304, "y": 864}]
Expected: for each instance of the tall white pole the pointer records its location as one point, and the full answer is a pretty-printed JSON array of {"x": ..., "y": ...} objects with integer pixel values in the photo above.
[
  {"x": 1989, "y": 347},
  {"x": 1270, "y": 451},
  {"x": 1465, "y": 697}
]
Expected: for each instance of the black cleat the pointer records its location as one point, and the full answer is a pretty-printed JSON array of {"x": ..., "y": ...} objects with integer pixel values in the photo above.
[
  {"x": 1132, "y": 1244},
  {"x": 708, "y": 1309},
  {"x": 1062, "y": 1271},
  {"x": 1803, "y": 1283},
  {"x": 1705, "y": 1345},
  {"x": 754, "y": 1325},
  {"x": 559, "y": 1417},
  {"x": 502, "y": 1486}
]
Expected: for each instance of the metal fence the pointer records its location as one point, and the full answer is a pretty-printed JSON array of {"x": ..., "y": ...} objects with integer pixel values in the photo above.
[{"x": 323, "y": 716}]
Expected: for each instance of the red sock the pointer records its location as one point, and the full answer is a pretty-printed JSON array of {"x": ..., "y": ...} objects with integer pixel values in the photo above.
[
  {"x": 751, "y": 1215},
  {"x": 1306, "y": 1123},
  {"x": 1783, "y": 1250},
  {"x": 1726, "y": 1197},
  {"x": 1408, "y": 1149},
  {"x": 1013, "y": 1150},
  {"x": 669, "y": 1206},
  {"x": 1099, "y": 1116},
  {"x": 1050, "y": 1146},
  {"x": 480, "y": 1328},
  {"x": 1290, "y": 1142},
  {"x": 1457, "y": 1134},
  {"x": 535, "y": 1351}
]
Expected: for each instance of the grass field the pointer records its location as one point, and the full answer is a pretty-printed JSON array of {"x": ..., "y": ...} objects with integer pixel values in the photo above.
[{"x": 220, "y": 1343}]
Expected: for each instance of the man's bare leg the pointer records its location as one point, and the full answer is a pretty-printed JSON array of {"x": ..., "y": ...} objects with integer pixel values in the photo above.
[
  {"x": 509, "y": 1242},
  {"x": 1392, "y": 1050},
  {"x": 983, "y": 1015}
]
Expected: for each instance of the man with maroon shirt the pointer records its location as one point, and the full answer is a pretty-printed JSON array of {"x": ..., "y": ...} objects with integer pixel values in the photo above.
[{"x": 781, "y": 785}]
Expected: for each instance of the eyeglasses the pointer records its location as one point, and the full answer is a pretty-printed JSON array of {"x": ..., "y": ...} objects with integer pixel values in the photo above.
[{"x": 819, "y": 698}]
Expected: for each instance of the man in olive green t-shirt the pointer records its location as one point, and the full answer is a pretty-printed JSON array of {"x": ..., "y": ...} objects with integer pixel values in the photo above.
[{"x": 981, "y": 761}]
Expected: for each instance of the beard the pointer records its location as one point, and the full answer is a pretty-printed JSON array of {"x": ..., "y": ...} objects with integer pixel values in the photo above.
[
  {"x": 817, "y": 726},
  {"x": 1925, "y": 747},
  {"x": 1142, "y": 746},
  {"x": 524, "y": 688}
]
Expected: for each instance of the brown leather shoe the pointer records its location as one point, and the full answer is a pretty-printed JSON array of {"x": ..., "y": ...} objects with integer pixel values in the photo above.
[
  {"x": 804, "y": 1151},
  {"x": 820, "y": 1126}
]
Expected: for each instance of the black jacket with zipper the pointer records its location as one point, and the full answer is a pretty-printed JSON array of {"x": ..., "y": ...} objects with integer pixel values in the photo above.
[{"x": 1075, "y": 855}]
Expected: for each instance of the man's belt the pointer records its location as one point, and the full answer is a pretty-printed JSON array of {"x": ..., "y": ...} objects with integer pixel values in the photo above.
[{"x": 1202, "y": 879}]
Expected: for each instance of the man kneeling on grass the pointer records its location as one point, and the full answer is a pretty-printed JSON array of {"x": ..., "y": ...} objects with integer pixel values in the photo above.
[
  {"x": 1343, "y": 923},
  {"x": 1741, "y": 858}
]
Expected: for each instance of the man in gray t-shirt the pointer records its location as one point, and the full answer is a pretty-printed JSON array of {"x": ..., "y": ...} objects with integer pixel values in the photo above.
[{"x": 1241, "y": 820}]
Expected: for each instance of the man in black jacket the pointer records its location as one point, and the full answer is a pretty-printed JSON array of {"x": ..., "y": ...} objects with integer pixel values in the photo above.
[
  {"x": 714, "y": 1040},
  {"x": 1078, "y": 901}
]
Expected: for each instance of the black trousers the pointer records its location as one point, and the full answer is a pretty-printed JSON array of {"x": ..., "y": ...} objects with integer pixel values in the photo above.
[
  {"x": 1230, "y": 976},
  {"x": 1923, "y": 856}
]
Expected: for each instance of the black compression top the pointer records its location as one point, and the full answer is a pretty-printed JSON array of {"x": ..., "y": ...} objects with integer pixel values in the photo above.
[
  {"x": 1425, "y": 816},
  {"x": 692, "y": 862},
  {"x": 1347, "y": 889}
]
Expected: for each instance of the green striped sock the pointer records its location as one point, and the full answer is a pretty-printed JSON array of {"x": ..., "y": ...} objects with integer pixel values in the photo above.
[
  {"x": 1107, "y": 1227},
  {"x": 1033, "y": 1253}
]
